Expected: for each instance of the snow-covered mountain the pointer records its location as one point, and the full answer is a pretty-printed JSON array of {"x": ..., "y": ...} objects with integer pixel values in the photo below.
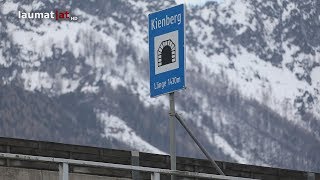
[{"x": 253, "y": 78}]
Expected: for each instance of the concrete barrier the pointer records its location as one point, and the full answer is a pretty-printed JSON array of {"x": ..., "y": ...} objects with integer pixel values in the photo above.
[
  {"x": 50, "y": 149},
  {"x": 10, "y": 173}
]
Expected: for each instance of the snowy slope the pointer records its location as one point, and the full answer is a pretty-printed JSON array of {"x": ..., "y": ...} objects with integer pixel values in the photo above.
[{"x": 253, "y": 74}]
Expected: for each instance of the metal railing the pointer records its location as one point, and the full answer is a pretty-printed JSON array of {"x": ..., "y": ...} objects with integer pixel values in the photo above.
[{"x": 155, "y": 172}]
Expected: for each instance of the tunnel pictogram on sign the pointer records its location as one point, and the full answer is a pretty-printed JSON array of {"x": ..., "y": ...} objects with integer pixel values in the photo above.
[{"x": 166, "y": 53}]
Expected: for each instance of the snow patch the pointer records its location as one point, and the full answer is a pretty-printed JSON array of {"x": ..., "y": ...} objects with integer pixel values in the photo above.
[
  {"x": 239, "y": 10},
  {"x": 270, "y": 85},
  {"x": 90, "y": 89},
  {"x": 36, "y": 80},
  {"x": 315, "y": 76},
  {"x": 116, "y": 128},
  {"x": 228, "y": 150},
  {"x": 8, "y": 7}
]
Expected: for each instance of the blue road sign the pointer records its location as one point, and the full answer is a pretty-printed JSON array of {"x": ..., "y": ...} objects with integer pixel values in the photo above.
[{"x": 167, "y": 50}]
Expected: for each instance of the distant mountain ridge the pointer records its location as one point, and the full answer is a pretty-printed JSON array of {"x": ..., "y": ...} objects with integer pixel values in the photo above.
[{"x": 253, "y": 79}]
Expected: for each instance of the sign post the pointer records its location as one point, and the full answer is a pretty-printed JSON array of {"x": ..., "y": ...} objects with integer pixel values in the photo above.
[
  {"x": 167, "y": 68},
  {"x": 172, "y": 133},
  {"x": 167, "y": 60}
]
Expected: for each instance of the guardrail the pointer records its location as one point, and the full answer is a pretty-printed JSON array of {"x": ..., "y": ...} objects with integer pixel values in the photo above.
[{"x": 155, "y": 172}]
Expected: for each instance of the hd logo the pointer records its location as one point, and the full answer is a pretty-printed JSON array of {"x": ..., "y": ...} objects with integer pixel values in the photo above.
[{"x": 166, "y": 53}]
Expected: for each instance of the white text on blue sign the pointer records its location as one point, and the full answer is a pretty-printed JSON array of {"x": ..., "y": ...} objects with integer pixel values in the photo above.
[{"x": 167, "y": 21}]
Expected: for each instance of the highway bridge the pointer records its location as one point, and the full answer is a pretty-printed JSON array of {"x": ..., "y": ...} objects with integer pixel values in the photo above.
[{"x": 19, "y": 165}]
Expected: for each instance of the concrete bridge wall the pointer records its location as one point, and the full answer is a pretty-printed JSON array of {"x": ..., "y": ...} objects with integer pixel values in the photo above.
[
  {"x": 11, "y": 173},
  {"x": 25, "y": 170}
]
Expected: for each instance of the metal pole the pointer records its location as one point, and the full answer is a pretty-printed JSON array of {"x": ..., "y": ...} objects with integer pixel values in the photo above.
[
  {"x": 135, "y": 162},
  {"x": 63, "y": 171},
  {"x": 198, "y": 143},
  {"x": 172, "y": 135},
  {"x": 311, "y": 176},
  {"x": 155, "y": 176}
]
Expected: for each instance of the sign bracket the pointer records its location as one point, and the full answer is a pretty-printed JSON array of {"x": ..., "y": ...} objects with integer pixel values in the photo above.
[{"x": 204, "y": 151}]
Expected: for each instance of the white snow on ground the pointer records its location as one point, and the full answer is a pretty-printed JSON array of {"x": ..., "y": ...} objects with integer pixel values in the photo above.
[
  {"x": 195, "y": 2},
  {"x": 239, "y": 10},
  {"x": 35, "y": 80},
  {"x": 115, "y": 81},
  {"x": 2, "y": 59},
  {"x": 140, "y": 4},
  {"x": 37, "y": 4},
  {"x": 315, "y": 76},
  {"x": 9, "y": 6},
  {"x": 256, "y": 79},
  {"x": 211, "y": 136},
  {"x": 279, "y": 86},
  {"x": 116, "y": 128},
  {"x": 90, "y": 89},
  {"x": 276, "y": 85},
  {"x": 55, "y": 35},
  {"x": 228, "y": 150}
]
